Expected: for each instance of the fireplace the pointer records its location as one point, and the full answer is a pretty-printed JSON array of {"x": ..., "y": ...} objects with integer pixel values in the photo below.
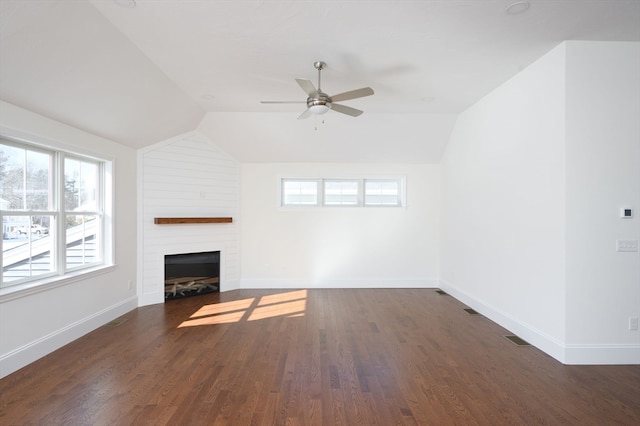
[{"x": 191, "y": 274}]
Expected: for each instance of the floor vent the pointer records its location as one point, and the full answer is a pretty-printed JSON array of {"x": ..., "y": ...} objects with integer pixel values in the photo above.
[
  {"x": 116, "y": 322},
  {"x": 517, "y": 340},
  {"x": 441, "y": 292},
  {"x": 471, "y": 311}
]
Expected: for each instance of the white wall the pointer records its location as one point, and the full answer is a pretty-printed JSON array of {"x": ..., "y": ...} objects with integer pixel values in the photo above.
[
  {"x": 339, "y": 246},
  {"x": 533, "y": 178},
  {"x": 603, "y": 174},
  {"x": 187, "y": 176},
  {"x": 262, "y": 137},
  {"x": 33, "y": 324},
  {"x": 503, "y": 205}
]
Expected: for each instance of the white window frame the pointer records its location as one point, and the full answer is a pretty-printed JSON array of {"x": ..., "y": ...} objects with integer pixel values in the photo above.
[
  {"x": 400, "y": 181},
  {"x": 358, "y": 183},
  {"x": 282, "y": 194},
  {"x": 62, "y": 273},
  {"x": 399, "y": 196}
]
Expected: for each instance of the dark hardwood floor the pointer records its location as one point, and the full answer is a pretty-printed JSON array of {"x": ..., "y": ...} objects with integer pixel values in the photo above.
[{"x": 316, "y": 357}]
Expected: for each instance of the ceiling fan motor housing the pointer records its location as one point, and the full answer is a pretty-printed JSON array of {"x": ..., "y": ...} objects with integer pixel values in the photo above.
[{"x": 320, "y": 101}]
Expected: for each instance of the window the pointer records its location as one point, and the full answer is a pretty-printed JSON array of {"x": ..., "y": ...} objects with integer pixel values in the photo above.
[
  {"x": 52, "y": 210},
  {"x": 382, "y": 192},
  {"x": 299, "y": 192},
  {"x": 342, "y": 192}
]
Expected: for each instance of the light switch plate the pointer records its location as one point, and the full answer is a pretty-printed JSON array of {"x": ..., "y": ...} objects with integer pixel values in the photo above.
[
  {"x": 627, "y": 245},
  {"x": 626, "y": 212}
]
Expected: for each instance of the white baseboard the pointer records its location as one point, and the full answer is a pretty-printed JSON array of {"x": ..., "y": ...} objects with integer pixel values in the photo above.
[
  {"x": 565, "y": 353},
  {"x": 229, "y": 285},
  {"x": 20, "y": 357},
  {"x": 145, "y": 299},
  {"x": 265, "y": 284},
  {"x": 361, "y": 283},
  {"x": 602, "y": 354},
  {"x": 541, "y": 340}
]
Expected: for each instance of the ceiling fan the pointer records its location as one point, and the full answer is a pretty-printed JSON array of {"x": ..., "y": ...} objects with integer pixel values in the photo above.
[{"x": 319, "y": 102}]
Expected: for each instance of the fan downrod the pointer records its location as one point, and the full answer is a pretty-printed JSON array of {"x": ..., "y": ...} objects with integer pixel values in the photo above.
[{"x": 319, "y": 65}]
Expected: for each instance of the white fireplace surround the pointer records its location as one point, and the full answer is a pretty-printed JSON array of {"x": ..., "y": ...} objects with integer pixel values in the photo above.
[{"x": 186, "y": 177}]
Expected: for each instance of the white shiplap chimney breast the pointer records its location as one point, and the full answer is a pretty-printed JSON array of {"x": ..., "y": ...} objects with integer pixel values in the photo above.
[{"x": 187, "y": 176}]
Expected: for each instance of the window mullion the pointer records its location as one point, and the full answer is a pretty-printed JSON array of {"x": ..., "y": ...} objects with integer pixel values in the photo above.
[
  {"x": 100, "y": 231},
  {"x": 61, "y": 239},
  {"x": 321, "y": 192}
]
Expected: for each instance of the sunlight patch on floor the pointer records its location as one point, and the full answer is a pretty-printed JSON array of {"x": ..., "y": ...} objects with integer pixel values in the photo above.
[
  {"x": 212, "y": 320},
  {"x": 290, "y": 304},
  {"x": 224, "y": 307},
  {"x": 282, "y": 297},
  {"x": 280, "y": 309}
]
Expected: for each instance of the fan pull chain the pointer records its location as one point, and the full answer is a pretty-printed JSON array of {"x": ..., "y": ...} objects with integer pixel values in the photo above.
[{"x": 315, "y": 125}]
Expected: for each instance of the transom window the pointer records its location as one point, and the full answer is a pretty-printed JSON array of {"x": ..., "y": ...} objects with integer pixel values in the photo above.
[
  {"x": 52, "y": 211},
  {"x": 342, "y": 192},
  {"x": 299, "y": 192},
  {"x": 382, "y": 192}
]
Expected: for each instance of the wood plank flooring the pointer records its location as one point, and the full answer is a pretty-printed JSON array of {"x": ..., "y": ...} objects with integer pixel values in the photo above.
[{"x": 312, "y": 357}]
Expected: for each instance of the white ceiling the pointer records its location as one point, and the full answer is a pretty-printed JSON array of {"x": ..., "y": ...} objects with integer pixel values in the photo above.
[{"x": 142, "y": 74}]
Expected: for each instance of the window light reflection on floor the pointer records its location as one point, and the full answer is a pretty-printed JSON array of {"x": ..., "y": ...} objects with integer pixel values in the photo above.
[
  {"x": 288, "y": 309},
  {"x": 282, "y": 297},
  {"x": 289, "y": 304},
  {"x": 224, "y": 307}
]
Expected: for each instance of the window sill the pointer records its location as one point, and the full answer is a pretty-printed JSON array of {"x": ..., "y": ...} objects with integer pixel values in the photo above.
[
  {"x": 179, "y": 220},
  {"x": 27, "y": 289}
]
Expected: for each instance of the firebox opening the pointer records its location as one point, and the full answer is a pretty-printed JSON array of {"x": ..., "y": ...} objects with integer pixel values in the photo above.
[{"x": 191, "y": 274}]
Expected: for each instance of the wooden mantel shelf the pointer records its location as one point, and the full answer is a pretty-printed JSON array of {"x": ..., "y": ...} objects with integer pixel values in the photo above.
[{"x": 175, "y": 220}]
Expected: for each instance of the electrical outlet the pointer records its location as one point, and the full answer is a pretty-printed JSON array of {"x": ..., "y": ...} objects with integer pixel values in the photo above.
[
  {"x": 130, "y": 284},
  {"x": 633, "y": 323},
  {"x": 626, "y": 245}
]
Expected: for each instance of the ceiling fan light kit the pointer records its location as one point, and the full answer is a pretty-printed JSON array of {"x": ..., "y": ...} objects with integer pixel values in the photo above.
[
  {"x": 319, "y": 108},
  {"x": 319, "y": 102}
]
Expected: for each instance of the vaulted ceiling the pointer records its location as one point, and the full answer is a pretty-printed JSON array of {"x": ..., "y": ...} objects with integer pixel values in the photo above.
[{"x": 139, "y": 72}]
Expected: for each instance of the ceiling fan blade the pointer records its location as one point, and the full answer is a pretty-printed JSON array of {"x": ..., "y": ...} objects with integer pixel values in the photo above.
[
  {"x": 346, "y": 110},
  {"x": 305, "y": 114},
  {"x": 307, "y": 86},
  {"x": 353, "y": 94},
  {"x": 283, "y": 102}
]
